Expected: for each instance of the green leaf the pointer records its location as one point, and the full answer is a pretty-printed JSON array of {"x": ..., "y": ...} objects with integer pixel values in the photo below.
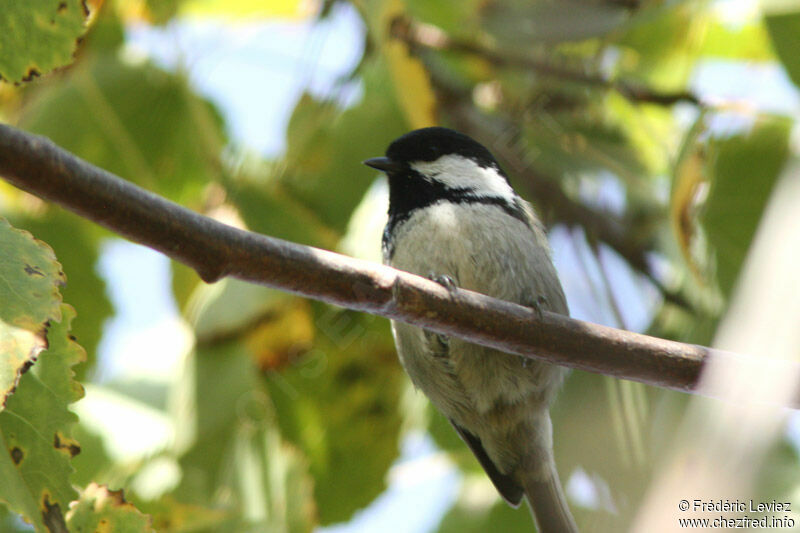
[
  {"x": 743, "y": 171},
  {"x": 107, "y": 32},
  {"x": 323, "y": 169},
  {"x": 30, "y": 278},
  {"x": 162, "y": 11},
  {"x": 236, "y": 460},
  {"x": 37, "y": 36},
  {"x": 646, "y": 130},
  {"x": 101, "y": 509},
  {"x": 581, "y": 139},
  {"x": 171, "y": 516},
  {"x": 136, "y": 121},
  {"x": 75, "y": 242},
  {"x": 776, "y": 478},
  {"x": 35, "y": 430},
  {"x": 267, "y": 208},
  {"x": 601, "y": 426},
  {"x": 661, "y": 46},
  {"x": 184, "y": 283},
  {"x": 10, "y": 522},
  {"x": 338, "y": 403},
  {"x": 93, "y": 461},
  {"x": 784, "y": 30},
  {"x": 275, "y": 487},
  {"x": 467, "y": 517},
  {"x": 745, "y": 42},
  {"x": 456, "y": 18},
  {"x": 521, "y": 23},
  {"x": 222, "y": 309},
  {"x": 220, "y": 375}
]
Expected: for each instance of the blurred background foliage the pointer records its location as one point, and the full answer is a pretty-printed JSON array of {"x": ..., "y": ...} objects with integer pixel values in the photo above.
[{"x": 648, "y": 134}]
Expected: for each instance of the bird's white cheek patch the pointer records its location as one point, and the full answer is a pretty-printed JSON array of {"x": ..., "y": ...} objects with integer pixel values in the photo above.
[{"x": 458, "y": 172}]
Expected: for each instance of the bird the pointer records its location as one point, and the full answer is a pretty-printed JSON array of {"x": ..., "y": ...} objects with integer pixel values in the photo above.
[{"x": 455, "y": 218}]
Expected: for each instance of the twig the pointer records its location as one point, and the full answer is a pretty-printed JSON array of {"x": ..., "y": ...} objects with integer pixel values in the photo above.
[
  {"x": 214, "y": 250},
  {"x": 419, "y": 35}
]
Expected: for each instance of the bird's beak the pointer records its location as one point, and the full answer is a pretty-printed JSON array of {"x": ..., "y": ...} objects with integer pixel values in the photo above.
[{"x": 384, "y": 163}]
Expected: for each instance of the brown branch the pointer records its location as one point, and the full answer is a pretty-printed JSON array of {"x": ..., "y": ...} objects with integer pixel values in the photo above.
[
  {"x": 425, "y": 36},
  {"x": 214, "y": 250}
]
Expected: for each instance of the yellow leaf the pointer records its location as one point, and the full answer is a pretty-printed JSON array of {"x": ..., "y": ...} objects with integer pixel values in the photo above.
[
  {"x": 688, "y": 186},
  {"x": 283, "y": 337},
  {"x": 411, "y": 81},
  {"x": 299, "y": 9}
]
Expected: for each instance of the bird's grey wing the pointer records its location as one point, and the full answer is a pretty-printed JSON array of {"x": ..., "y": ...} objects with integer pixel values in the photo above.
[{"x": 509, "y": 489}]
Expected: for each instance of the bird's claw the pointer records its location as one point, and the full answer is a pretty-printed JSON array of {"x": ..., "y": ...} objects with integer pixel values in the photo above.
[
  {"x": 538, "y": 306},
  {"x": 444, "y": 280}
]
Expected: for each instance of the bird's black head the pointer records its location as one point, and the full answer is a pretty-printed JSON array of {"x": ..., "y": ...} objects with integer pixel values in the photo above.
[
  {"x": 433, "y": 165},
  {"x": 428, "y": 145}
]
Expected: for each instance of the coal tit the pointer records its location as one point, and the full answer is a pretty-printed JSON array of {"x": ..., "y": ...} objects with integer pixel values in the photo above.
[{"x": 454, "y": 217}]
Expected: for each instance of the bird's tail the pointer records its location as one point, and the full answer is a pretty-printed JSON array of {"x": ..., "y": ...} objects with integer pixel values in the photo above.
[{"x": 547, "y": 501}]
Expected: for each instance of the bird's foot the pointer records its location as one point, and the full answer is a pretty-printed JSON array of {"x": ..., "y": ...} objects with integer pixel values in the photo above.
[
  {"x": 444, "y": 280},
  {"x": 538, "y": 305},
  {"x": 448, "y": 283}
]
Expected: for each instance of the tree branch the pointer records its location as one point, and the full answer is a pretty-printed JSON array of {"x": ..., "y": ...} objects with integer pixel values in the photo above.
[
  {"x": 215, "y": 250},
  {"x": 418, "y": 35}
]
